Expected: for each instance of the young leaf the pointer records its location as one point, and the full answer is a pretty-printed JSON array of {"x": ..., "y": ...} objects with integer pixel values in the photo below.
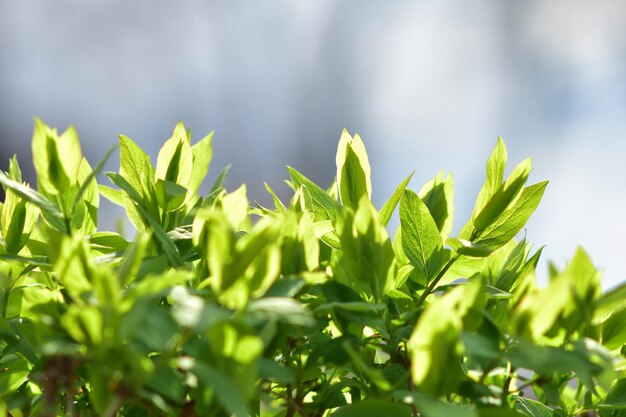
[
  {"x": 169, "y": 248},
  {"x": 51, "y": 212},
  {"x": 367, "y": 255},
  {"x": 133, "y": 165},
  {"x": 438, "y": 195},
  {"x": 56, "y": 159},
  {"x": 495, "y": 171},
  {"x": 202, "y": 153},
  {"x": 504, "y": 196},
  {"x": 89, "y": 181},
  {"x": 175, "y": 160},
  {"x": 387, "y": 210},
  {"x": 353, "y": 170},
  {"x": 511, "y": 221},
  {"x": 323, "y": 206},
  {"x": 280, "y": 207},
  {"x": 421, "y": 240}
]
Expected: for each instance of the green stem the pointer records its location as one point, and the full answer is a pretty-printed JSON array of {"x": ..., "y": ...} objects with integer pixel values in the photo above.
[
  {"x": 7, "y": 293},
  {"x": 407, "y": 365},
  {"x": 435, "y": 281},
  {"x": 507, "y": 385}
]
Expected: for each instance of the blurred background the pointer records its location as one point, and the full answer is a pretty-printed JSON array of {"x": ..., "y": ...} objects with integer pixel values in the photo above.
[{"x": 428, "y": 85}]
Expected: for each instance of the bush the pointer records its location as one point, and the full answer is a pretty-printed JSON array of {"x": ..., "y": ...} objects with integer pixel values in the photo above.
[{"x": 309, "y": 310}]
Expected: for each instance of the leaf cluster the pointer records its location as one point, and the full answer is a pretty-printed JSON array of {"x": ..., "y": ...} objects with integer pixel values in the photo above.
[{"x": 309, "y": 308}]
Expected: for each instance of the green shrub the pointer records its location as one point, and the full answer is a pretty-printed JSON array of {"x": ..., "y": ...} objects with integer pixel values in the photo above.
[{"x": 307, "y": 309}]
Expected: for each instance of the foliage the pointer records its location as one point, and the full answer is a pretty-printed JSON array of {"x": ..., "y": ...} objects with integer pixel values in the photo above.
[{"x": 216, "y": 308}]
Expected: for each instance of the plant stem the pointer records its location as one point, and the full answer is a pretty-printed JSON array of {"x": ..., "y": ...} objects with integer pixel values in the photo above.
[
  {"x": 436, "y": 280},
  {"x": 507, "y": 385},
  {"x": 407, "y": 364},
  {"x": 7, "y": 293}
]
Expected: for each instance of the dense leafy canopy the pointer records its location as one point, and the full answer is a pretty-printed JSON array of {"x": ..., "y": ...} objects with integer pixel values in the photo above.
[{"x": 310, "y": 308}]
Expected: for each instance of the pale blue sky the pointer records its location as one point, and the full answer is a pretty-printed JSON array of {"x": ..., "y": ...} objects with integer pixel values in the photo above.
[{"x": 429, "y": 85}]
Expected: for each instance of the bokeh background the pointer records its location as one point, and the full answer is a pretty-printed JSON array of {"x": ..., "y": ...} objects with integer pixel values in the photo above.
[{"x": 429, "y": 85}]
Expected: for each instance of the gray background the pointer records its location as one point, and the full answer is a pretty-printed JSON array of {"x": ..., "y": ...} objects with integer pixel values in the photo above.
[{"x": 429, "y": 85}]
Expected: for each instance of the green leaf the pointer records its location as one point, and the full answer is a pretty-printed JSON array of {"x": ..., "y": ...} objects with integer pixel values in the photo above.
[
  {"x": 609, "y": 302},
  {"x": 373, "y": 408},
  {"x": 353, "y": 170},
  {"x": 438, "y": 195},
  {"x": 56, "y": 159},
  {"x": 281, "y": 309},
  {"x": 74, "y": 266},
  {"x": 367, "y": 255},
  {"x": 219, "y": 181},
  {"x": 532, "y": 408},
  {"x": 435, "y": 349},
  {"x": 170, "y": 195},
  {"x": 169, "y": 248},
  {"x": 271, "y": 370},
  {"x": 15, "y": 371},
  {"x": 235, "y": 207},
  {"x": 227, "y": 392},
  {"x": 467, "y": 248},
  {"x": 135, "y": 166},
  {"x": 421, "y": 240},
  {"x": 132, "y": 258},
  {"x": 280, "y": 207},
  {"x": 300, "y": 247},
  {"x": 89, "y": 182},
  {"x": 614, "y": 330},
  {"x": 585, "y": 360},
  {"x": 18, "y": 215},
  {"x": 565, "y": 305},
  {"x": 495, "y": 171},
  {"x": 429, "y": 406},
  {"x": 108, "y": 242},
  {"x": 616, "y": 397},
  {"x": 87, "y": 200},
  {"x": 498, "y": 412},
  {"x": 324, "y": 207},
  {"x": 387, "y": 210},
  {"x": 175, "y": 160},
  {"x": 202, "y": 153},
  {"x": 504, "y": 196},
  {"x": 511, "y": 221},
  {"x": 52, "y": 213}
]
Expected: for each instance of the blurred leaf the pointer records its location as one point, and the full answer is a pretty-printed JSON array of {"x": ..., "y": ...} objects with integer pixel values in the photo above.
[
  {"x": 373, "y": 408},
  {"x": 432, "y": 407},
  {"x": 615, "y": 398},
  {"x": 532, "y": 408}
]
